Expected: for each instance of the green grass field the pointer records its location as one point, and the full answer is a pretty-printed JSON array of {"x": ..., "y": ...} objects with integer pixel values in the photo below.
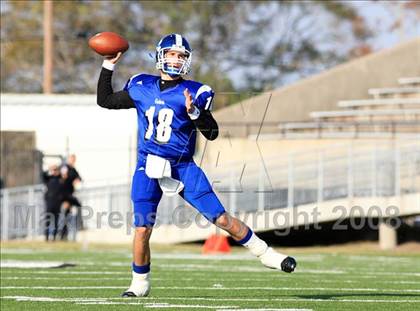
[{"x": 330, "y": 278}]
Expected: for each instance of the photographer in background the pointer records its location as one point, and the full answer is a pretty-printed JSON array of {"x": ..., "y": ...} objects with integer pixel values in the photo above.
[
  {"x": 53, "y": 199},
  {"x": 71, "y": 205}
]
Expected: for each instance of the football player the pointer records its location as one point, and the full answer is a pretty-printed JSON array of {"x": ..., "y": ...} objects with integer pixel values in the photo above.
[{"x": 169, "y": 110}]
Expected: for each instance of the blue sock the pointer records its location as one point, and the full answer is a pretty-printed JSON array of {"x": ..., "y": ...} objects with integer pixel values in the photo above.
[
  {"x": 141, "y": 269},
  {"x": 246, "y": 238}
]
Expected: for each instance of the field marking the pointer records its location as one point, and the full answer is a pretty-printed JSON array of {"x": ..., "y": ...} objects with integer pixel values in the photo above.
[
  {"x": 367, "y": 267},
  {"x": 103, "y": 299},
  {"x": 382, "y": 268},
  {"x": 230, "y": 257},
  {"x": 26, "y": 264},
  {"x": 52, "y": 299},
  {"x": 223, "y": 288},
  {"x": 29, "y": 263},
  {"x": 157, "y": 305},
  {"x": 384, "y": 259},
  {"x": 106, "y": 301},
  {"x": 245, "y": 268},
  {"x": 194, "y": 279},
  {"x": 68, "y": 272},
  {"x": 266, "y": 309},
  {"x": 299, "y": 272},
  {"x": 157, "y": 255},
  {"x": 200, "y": 268},
  {"x": 26, "y": 251},
  {"x": 261, "y": 269},
  {"x": 219, "y": 257},
  {"x": 203, "y": 267}
]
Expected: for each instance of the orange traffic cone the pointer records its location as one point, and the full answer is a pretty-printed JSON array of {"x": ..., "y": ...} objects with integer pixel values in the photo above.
[{"x": 216, "y": 243}]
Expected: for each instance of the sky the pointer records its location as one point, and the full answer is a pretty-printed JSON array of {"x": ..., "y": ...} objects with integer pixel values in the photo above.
[{"x": 380, "y": 16}]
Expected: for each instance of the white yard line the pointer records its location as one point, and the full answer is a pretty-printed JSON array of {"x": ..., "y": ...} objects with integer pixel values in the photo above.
[
  {"x": 52, "y": 299},
  {"x": 267, "y": 309},
  {"x": 189, "y": 256},
  {"x": 31, "y": 264},
  {"x": 362, "y": 274},
  {"x": 62, "y": 287},
  {"x": 262, "y": 269},
  {"x": 222, "y": 288},
  {"x": 195, "y": 279},
  {"x": 383, "y": 259},
  {"x": 194, "y": 267},
  {"x": 107, "y": 299},
  {"x": 157, "y": 305},
  {"x": 292, "y": 299},
  {"x": 26, "y": 251},
  {"x": 221, "y": 257},
  {"x": 68, "y": 272}
]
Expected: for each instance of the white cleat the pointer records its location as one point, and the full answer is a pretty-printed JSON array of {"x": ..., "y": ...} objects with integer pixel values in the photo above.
[
  {"x": 140, "y": 286},
  {"x": 274, "y": 260}
]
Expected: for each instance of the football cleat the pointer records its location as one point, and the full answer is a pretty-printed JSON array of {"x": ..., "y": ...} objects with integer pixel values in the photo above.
[
  {"x": 140, "y": 286},
  {"x": 288, "y": 264},
  {"x": 138, "y": 292},
  {"x": 128, "y": 294},
  {"x": 274, "y": 260}
]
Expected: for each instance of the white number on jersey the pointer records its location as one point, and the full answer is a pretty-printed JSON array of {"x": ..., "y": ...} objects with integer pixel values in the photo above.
[
  {"x": 163, "y": 129},
  {"x": 208, "y": 103},
  {"x": 149, "y": 114}
]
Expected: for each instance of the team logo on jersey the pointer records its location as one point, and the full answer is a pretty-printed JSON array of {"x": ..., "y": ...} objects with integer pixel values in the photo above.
[{"x": 159, "y": 102}]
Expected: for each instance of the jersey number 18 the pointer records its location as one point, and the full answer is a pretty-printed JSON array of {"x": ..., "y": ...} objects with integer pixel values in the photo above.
[{"x": 163, "y": 129}]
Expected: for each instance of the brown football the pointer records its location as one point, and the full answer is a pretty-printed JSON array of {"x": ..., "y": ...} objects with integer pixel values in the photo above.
[{"x": 108, "y": 43}]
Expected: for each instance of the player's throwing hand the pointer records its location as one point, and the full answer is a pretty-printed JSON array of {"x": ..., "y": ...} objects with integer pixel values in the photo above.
[
  {"x": 188, "y": 101},
  {"x": 114, "y": 58}
]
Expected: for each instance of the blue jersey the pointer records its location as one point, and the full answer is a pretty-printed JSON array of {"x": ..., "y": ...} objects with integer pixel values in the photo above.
[{"x": 164, "y": 127}]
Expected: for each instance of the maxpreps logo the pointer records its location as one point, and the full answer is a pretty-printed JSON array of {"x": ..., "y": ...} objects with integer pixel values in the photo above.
[{"x": 159, "y": 101}]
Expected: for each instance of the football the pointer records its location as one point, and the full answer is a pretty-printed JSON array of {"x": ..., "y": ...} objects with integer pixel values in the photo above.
[{"x": 108, "y": 43}]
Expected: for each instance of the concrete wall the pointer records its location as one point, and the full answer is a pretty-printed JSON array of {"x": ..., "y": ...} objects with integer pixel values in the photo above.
[
  {"x": 350, "y": 80},
  {"x": 224, "y": 151},
  {"x": 20, "y": 161}
]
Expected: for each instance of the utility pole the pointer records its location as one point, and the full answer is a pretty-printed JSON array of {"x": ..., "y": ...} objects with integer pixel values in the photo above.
[{"x": 48, "y": 46}]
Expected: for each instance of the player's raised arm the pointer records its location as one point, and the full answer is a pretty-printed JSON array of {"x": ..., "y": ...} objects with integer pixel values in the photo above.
[
  {"x": 202, "y": 119},
  {"x": 106, "y": 97}
]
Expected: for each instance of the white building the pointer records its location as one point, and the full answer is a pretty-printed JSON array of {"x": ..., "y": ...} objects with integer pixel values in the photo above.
[{"x": 103, "y": 140}]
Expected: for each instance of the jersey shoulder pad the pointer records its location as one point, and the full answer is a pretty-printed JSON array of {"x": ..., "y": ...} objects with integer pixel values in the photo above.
[
  {"x": 140, "y": 80},
  {"x": 203, "y": 95}
]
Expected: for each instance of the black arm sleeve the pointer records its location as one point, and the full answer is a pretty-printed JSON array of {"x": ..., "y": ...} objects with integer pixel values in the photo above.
[
  {"x": 207, "y": 125},
  {"x": 106, "y": 97}
]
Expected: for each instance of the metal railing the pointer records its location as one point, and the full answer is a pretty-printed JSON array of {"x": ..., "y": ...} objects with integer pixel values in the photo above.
[{"x": 345, "y": 171}]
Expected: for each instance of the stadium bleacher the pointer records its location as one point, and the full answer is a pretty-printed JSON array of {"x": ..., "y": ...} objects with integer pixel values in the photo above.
[
  {"x": 391, "y": 112},
  {"x": 389, "y": 103},
  {"x": 409, "y": 81},
  {"x": 394, "y": 91}
]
